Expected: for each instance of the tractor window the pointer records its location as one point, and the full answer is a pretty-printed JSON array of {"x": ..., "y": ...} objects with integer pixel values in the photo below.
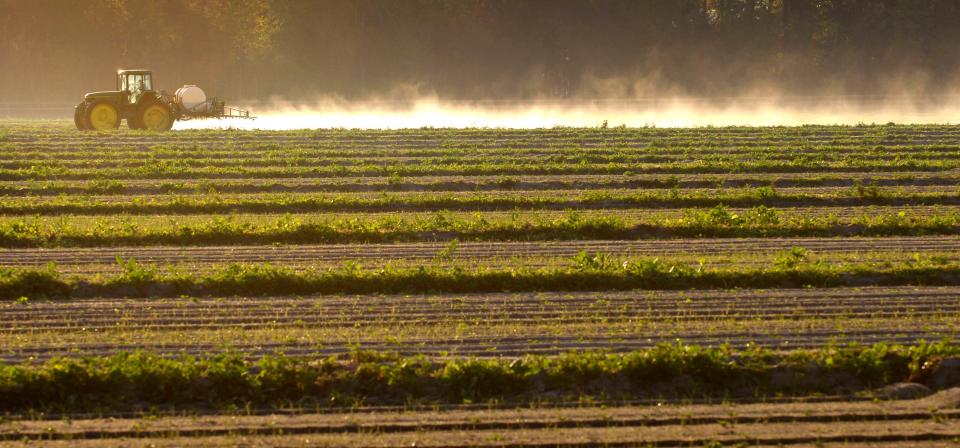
[{"x": 135, "y": 85}]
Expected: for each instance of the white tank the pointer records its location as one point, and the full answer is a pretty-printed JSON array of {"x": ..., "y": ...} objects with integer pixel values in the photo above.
[{"x": 193, "y": 99}]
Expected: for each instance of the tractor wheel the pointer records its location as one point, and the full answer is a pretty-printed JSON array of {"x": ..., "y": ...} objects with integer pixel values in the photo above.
[
  {"x": 102, "y": 115},
  {"x": 155, "y": 116},
  {"x": 80, "y": 117}
]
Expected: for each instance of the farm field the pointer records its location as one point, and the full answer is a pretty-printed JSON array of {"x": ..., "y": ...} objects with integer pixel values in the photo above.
[{"x": 491, "y": 287}]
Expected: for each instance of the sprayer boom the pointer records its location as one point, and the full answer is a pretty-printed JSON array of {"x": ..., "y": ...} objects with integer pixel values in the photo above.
[{"x": 190, "y": 106}]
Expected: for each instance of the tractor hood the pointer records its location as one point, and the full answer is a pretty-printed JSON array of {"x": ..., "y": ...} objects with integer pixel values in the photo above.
[{"x": 101, "y": 95}]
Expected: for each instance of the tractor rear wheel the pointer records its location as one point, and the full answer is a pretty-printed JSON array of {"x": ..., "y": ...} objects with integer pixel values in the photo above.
[
  {"x": 155, "y": 116},
  {"x": 80, "y": 117},
  {"x": 102, "y": 115}
]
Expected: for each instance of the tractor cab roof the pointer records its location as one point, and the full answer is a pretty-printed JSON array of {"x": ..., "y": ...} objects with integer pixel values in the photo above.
[{"x": 134, "y": 72}]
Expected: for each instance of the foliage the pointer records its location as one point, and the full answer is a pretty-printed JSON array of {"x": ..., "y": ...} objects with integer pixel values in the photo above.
[
  {"x": 791, "y": 258},
  {"x": 719, "y": 221},
  {"x": 26, "y": 284},
  {"x": 596, "y": 272},
  {"x": 256, "y": 49},
  {"x": 134, "y": 380}
]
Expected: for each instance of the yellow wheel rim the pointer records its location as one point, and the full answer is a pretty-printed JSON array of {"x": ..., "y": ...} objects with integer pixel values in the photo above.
[
  {"x": 156, "y": 118},
  {"x": 103, "y": 116}
]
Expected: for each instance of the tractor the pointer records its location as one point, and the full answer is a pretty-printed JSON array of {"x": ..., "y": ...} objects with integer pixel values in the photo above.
[{"x": 144, "y": 107}]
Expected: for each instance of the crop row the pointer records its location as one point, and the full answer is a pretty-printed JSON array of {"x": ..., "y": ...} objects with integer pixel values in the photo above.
[
  {"x": 693, "y": 223},
  {"x": 861, "y": 181},
  {"x": 591, "y": 272},
  {"x": 330, "y": 153},
  {"x": 131, "y": 381},
  {"x": 474, "y": 201},
  {"x": 348, "y": 159},
  {"x": 173, "y": 170}
]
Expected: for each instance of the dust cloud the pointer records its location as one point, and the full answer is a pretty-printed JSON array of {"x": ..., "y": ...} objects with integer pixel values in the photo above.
[{"x": 431, "y": 111}]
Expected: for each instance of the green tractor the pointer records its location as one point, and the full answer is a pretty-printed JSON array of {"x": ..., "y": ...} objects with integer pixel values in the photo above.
[{"x": 136, "y": 101}]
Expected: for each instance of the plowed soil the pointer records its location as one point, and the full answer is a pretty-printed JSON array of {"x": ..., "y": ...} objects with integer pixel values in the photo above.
[
  {"x": 469, "y": 250},
  {"x": 480, "y": 324},
  {"x": 931, "y": 421}
]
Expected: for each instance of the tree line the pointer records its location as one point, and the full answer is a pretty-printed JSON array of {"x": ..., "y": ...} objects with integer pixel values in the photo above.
[{"x": 54, "y": 50}]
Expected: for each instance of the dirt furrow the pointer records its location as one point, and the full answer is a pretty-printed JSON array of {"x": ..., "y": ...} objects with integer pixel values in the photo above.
[
  {"x": 507, "y": 421},
  {"x": 516, "y": 313},
  {"x": 525, "y": 318},
  {"x": 489, "y": 347},
  {"x": 215, "y": 254},
  {"x": 475, "y": 183},
  {"x": 786, "y": 195},
  {"x": 400, "y": 317},
  {"x": 653, "y": 299},
  {"x": 414, "y": 311}
]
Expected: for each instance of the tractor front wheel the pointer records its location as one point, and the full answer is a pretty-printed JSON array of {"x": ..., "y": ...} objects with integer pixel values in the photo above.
[
  {"x": 102, "y": 115},
  {"x": 155, "y": 116},
  {"x": 80, "y": 117}
]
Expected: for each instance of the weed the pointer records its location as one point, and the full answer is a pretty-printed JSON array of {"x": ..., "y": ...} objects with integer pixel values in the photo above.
[
  {"x": 446, "y": 254},
  {"x": 871, "y": 191}
]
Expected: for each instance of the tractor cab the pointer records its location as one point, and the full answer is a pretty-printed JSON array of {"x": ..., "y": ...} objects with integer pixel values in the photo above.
[{"x": 132, "y": 83}]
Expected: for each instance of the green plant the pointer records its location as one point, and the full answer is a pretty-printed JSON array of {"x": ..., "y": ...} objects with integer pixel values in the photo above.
[
  {"x": 507, "y": 183},
  {"x": 106, "y": 186},
  {"x": 32, "y": 283},
  {"x": 446, "y": 254},
  {"x": 135, "y": 273},
  {"x": 586, "y": 262},
  {"x": 871, "y": 191},
  {"x": 140, "y": 380},
  {"x": 791, "y": 258}
]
